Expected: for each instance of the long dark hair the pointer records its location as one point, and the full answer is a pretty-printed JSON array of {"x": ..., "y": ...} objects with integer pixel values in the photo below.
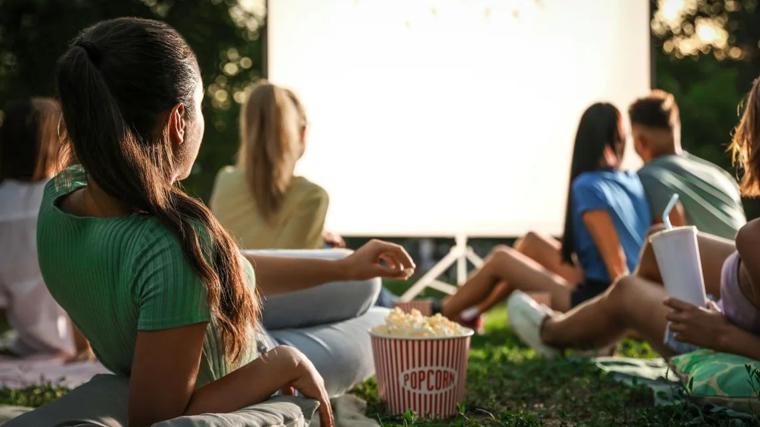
[
  {"x": 599, "y": 128},
  {"x": 30, "y": 148},
  {"x": 116, "y": 82}
]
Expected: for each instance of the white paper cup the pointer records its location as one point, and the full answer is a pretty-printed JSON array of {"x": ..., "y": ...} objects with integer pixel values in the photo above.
[
  {"x": 678, "y": 259},
  {"x": 424, "y": 374}
]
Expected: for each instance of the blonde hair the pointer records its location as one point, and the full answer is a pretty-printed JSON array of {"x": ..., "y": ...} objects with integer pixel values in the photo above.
[
  {"x": 744, "y": 147},
  {"x": 271, "y": 123}
]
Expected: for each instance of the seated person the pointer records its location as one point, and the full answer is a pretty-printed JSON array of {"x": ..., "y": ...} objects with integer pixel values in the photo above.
[
  {"x": 259, "y": 201},
  {"x": 30, "y": 154},
  {"x": 635, "y": 302},
  {"x": 709, "y": 197},
  {"x": 606, "y": 220},
  {"x": 148, "y": 274}
]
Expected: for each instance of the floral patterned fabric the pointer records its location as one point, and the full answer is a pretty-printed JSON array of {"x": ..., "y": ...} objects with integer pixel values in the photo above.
[{"x": 720, "y": 378}]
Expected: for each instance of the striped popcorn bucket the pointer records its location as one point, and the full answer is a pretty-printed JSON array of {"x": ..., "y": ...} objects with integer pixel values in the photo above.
[{"x": 424, "y": 374}]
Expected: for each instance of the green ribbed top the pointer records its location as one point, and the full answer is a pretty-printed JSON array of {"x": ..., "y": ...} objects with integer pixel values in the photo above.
[{"x": 117, "y": 276}]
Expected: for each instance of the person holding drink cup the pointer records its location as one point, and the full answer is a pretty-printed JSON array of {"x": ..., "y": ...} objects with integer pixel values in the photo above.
[
  {"x": 708, "y": 195},
  {"x": 606, "y": 221},
  {"x": 676, "y": 258}
]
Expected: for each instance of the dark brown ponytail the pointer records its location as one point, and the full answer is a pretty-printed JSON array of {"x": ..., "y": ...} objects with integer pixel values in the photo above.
[
  {"x": 599, "y": 128},
  {"x": 115, "y": 82}
]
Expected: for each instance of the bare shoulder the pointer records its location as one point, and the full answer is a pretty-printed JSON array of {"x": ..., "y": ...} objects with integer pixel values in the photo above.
[{"x": 748, "y": 238}]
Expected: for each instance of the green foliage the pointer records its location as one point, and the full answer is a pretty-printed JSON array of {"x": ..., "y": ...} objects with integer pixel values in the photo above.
[
  {"x": 708, "y": 96},
  {"x": 509, "y": 385},
  {"x": 710, "y": 84},
  {"x": 637, "y": 349},
  {"x": 32, "y": 396},
  {"x": 34, "y": 33}
]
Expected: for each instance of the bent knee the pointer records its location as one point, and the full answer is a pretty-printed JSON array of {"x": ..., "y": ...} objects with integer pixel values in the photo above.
[
  {"x": 623, "y": 292},
  {"x": 623, "y": 286},
  {"x": 533, "y": 237},
  {"x": 500, "y": 248},
  {"x": 501, "y": 253}
]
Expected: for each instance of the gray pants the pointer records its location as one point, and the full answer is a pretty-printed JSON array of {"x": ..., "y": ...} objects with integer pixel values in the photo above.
[{"x": 328, "y": 323}]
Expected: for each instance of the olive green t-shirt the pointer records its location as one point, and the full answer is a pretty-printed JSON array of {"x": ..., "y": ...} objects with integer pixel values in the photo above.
[
  {"x": 709, "y": 195},
  {"x": 117, "y": 276},
  {"x": 297, "y": 224}
]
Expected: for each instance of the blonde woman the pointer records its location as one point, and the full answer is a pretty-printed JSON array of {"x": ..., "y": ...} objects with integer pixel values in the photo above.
[{"x": 259, "y": 201}]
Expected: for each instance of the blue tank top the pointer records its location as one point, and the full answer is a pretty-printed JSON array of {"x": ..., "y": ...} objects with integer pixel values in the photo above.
[{"x": 620, "y": 194}]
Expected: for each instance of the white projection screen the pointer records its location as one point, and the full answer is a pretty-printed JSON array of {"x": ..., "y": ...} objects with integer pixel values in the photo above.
[{"x": 445, "y": 117}]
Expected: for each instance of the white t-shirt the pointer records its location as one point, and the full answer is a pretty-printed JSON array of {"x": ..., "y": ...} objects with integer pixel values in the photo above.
[
  {"x": 19, "y": 204},
  {"x": 40, "y": 323}
]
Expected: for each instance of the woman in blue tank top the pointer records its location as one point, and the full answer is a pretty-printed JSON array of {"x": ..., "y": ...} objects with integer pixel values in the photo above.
[
  {"x": 606, "y": 220},
  {"x": 641, "y": 303}
]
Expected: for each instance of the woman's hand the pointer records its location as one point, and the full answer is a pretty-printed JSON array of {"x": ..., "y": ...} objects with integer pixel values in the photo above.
[
  {"x": 309, "y": 383},
  {"x": 701, "y": 326},
  {"x": 378, "y": 259}
]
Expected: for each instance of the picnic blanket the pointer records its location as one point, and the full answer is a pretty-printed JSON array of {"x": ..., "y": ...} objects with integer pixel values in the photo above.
[
  {"x": 652, "y": 373},
  {"x": 43, "y": 369},
  {"x": 655, "y": 374}
]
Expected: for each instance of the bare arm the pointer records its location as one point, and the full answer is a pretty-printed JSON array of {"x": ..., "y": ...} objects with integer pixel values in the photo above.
[
  {"x": 173, "y": 355},
  {"x": 166, "y": 364},
  {"x": 741, "y": 342},
  {"x": 604, "y": 235},
  {"x": 285, "y": 274},
  {"x": 375, "y": 259}
]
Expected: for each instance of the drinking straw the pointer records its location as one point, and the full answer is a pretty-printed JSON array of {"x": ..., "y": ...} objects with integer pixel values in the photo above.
[{"x": 666, "y": 212}]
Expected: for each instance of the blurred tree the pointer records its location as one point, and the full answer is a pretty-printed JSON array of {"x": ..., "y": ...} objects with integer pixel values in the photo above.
[
  {"x": 223, "y": 33},
  {"x": 707, "y": 53}
]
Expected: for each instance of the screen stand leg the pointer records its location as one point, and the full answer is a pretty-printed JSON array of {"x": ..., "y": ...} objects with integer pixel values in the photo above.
[{"x": 459, "y": 254}]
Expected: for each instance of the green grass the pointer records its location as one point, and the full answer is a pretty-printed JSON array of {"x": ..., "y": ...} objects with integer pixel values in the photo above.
[
  {"x": 32, "y": 396},
  {"x": 509, "y": 385}
]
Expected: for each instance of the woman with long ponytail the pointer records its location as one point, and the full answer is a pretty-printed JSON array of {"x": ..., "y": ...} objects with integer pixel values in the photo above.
[
  {"x": 639, "y": 302},
  {"x": 260, "y": 201},
  {"x": 145, "y": 271}
]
